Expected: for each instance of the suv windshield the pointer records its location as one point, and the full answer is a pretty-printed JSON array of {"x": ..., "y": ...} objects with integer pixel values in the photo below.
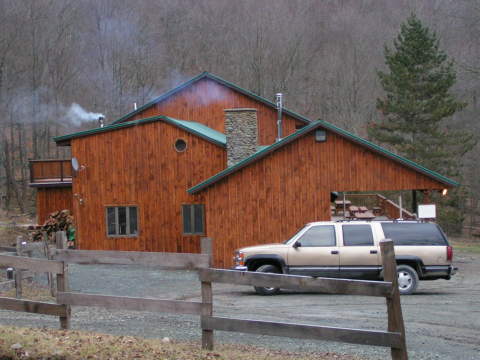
[
  {"x": 290, "y": 240},
  {"x": 414, "y": 234}
]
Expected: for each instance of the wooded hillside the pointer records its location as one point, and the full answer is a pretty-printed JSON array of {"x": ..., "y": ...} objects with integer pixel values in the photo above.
[{"x": 107, "y": 55}]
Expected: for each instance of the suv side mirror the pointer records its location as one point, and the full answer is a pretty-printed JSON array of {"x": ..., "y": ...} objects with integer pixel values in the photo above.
[{"x": 297, "y": 244}]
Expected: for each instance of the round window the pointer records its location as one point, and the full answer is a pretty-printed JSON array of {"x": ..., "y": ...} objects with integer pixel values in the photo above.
[{"x": 180, "y": 145}]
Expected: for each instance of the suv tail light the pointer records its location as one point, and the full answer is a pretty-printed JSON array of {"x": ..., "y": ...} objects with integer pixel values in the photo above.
[{"x": 449, "y": 253}]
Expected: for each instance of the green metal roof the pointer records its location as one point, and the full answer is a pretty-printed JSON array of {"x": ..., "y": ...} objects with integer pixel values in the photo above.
[
  {"x": 252, "y": 158},
  {"x": 200, "y": 130},
  {"x": 192, "y": 127},
  {"x": 381, "y": 150},
  {"x": 207, "y": 75},
  {"x": 312, "y": 126}
]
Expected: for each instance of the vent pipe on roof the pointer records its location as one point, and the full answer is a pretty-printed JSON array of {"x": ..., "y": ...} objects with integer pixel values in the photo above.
[
  {"x": 101, "y": 121},
  {"x": 279, "y": 102}
]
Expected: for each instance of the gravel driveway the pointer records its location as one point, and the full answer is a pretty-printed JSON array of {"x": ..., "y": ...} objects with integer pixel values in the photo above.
[{"x": 442, "y": 320}]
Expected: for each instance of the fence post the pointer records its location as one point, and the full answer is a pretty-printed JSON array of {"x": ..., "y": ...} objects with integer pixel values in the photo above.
[
  {"x": 207, "y": 296},
  {"x": 394, "y": 309},
  {"x": 62, "y": 279},
  {"x": 49, "y": 257},
  {"x": 18, "y": 272}
]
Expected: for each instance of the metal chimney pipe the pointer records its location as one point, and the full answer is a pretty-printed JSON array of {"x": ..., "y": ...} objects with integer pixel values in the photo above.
[
  {"x": 279, "y": 102},
  {"x": 101, "y": 121}
]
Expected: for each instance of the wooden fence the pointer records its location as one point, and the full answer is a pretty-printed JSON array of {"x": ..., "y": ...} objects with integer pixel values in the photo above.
[
  {"x": 21, "y": 263},
  {"x": 160, "y": 260},
  {"x": 394, "y": 337},
  {"x": 66, "y": 299}
]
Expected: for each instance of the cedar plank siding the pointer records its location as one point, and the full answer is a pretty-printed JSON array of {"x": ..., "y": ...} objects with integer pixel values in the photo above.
[
  {"x": 269, "y": 200},
  {"x": 139, "y": 166},
  {"x": 52, "y": 199},
  {"x": 205, "y": 102}
]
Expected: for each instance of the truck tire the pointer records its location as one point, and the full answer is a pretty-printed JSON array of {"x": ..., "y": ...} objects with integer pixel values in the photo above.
[
  {"x": 407, "y": 279},
  {"x": 267, "y": 290}
]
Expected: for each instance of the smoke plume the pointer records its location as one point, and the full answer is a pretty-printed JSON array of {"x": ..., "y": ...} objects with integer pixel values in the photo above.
[{"x": 77, "y": 115}]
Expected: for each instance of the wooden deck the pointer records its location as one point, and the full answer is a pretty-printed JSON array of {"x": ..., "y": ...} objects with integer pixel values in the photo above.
[{"x": 50, "y": 173}]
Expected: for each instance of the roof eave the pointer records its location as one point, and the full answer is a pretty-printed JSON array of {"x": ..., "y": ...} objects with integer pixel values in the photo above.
[
  {"x": 65, "y": 139},
  {"x": 207, "y": 75},
  {"x": 257, "y": 156},
  {"x": 327, "y": 126},
  {"x": 161, "y": 97},
  {"x": 380, "y": 150},
  {"x": 68, "y": 137}
]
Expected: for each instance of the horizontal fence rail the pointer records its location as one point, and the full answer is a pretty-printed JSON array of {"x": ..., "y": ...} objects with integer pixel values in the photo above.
[
  {"x": 35, "y": 307},
  {"x": 297, "y": 282},
  {"x": 393, "y": 338},
  {"x": 164, "y": 260},
  {"x": 353, "y": 336},
  {"x": 36, "y": 265},
  {"x": 130, "y": 303},
  {"x": 8, "y": 248}
]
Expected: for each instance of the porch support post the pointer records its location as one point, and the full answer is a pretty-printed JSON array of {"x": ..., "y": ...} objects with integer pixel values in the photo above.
[{"x": 414, "y": 202}]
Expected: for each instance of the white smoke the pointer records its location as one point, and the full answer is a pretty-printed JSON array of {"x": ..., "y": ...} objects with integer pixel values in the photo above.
[{"x": 77, "y": 115}]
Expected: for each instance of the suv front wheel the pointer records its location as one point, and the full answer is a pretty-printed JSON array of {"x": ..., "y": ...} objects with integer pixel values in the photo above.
[
  {"x": 407, "y": 279},
  {"x": 268, "y": 290}
]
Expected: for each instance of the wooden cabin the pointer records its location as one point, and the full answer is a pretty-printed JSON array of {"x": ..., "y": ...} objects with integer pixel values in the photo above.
[{"x": 204, "y": 160}]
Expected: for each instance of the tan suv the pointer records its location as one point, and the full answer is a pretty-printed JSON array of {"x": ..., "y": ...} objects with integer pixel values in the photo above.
[{"x": 350, "y": 249}]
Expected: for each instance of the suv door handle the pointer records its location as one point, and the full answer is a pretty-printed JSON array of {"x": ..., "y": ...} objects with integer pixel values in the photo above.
[
  {"x": 373, "y": 251},
  {"x": 334, "y": 252}
]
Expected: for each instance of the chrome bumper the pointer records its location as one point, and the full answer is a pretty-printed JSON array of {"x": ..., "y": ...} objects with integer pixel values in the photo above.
[
  {"x": 453, "y": 270},
  {"x": 439, "y": 272},
  {"x": 240, "y": 268}
]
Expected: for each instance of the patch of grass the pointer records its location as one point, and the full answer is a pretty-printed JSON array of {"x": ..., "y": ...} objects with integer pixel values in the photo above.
[
  {"x": 473, "y": 248},
  {"x": 465, "y": 244},
  {"x": 8, "y": 234},
  {"x": 23, "y": 343},
  {"x": 8, "y": 231},
  {"x": 31, "y": 291}
]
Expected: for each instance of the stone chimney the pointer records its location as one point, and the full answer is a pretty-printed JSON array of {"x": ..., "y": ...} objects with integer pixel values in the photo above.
[{"x": 241, "y": 133}]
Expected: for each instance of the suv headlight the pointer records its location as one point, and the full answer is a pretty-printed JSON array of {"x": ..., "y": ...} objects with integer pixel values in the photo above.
[{"x": 239, "y": 258}]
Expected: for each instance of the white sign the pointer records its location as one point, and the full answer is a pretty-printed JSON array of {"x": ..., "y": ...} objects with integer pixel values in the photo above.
[{"x": 427, "y": 211}]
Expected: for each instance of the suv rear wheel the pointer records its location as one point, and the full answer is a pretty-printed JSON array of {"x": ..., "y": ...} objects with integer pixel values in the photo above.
[
  {"x": 407, "y": 279},
  {"x": 268, "y": 268}
]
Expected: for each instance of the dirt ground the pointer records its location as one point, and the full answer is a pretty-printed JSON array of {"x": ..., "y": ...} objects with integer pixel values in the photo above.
[
  {"x": 442, "y": 320},
  {"x": 13, "y": 225}
]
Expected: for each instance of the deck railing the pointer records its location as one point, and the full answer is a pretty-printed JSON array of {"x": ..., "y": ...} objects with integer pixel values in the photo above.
[
  {"x": 50, "y": 171},
  {"x": 385, "y": 206}
]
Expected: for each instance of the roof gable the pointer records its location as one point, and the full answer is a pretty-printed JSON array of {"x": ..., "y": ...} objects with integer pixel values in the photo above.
[
  {"x": 192, "y": 127},
  {"x": 307, "y": 129},
  {"x": 219, "y": 80}
]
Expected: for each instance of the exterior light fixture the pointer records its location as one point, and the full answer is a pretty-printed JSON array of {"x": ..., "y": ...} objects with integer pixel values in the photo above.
[
  {"x": 444, "y": 192},
  {"x": 79, "y": 197}
]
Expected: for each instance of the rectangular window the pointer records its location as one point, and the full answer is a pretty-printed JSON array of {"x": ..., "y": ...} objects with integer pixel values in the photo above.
[
  {"x": 323, "y": 235},
  {"x": 414, "y": 234},
  {"x": 122, "y": 221},
  {"x": 357, "y": 235},
  {"x": 193, "y": 219}
]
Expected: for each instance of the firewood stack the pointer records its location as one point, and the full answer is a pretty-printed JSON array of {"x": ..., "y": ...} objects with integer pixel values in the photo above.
[{"x": 57, "y": 221}]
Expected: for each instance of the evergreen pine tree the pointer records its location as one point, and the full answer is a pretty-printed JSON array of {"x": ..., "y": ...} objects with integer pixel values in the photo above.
[{"x": 418, "y": 101}]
